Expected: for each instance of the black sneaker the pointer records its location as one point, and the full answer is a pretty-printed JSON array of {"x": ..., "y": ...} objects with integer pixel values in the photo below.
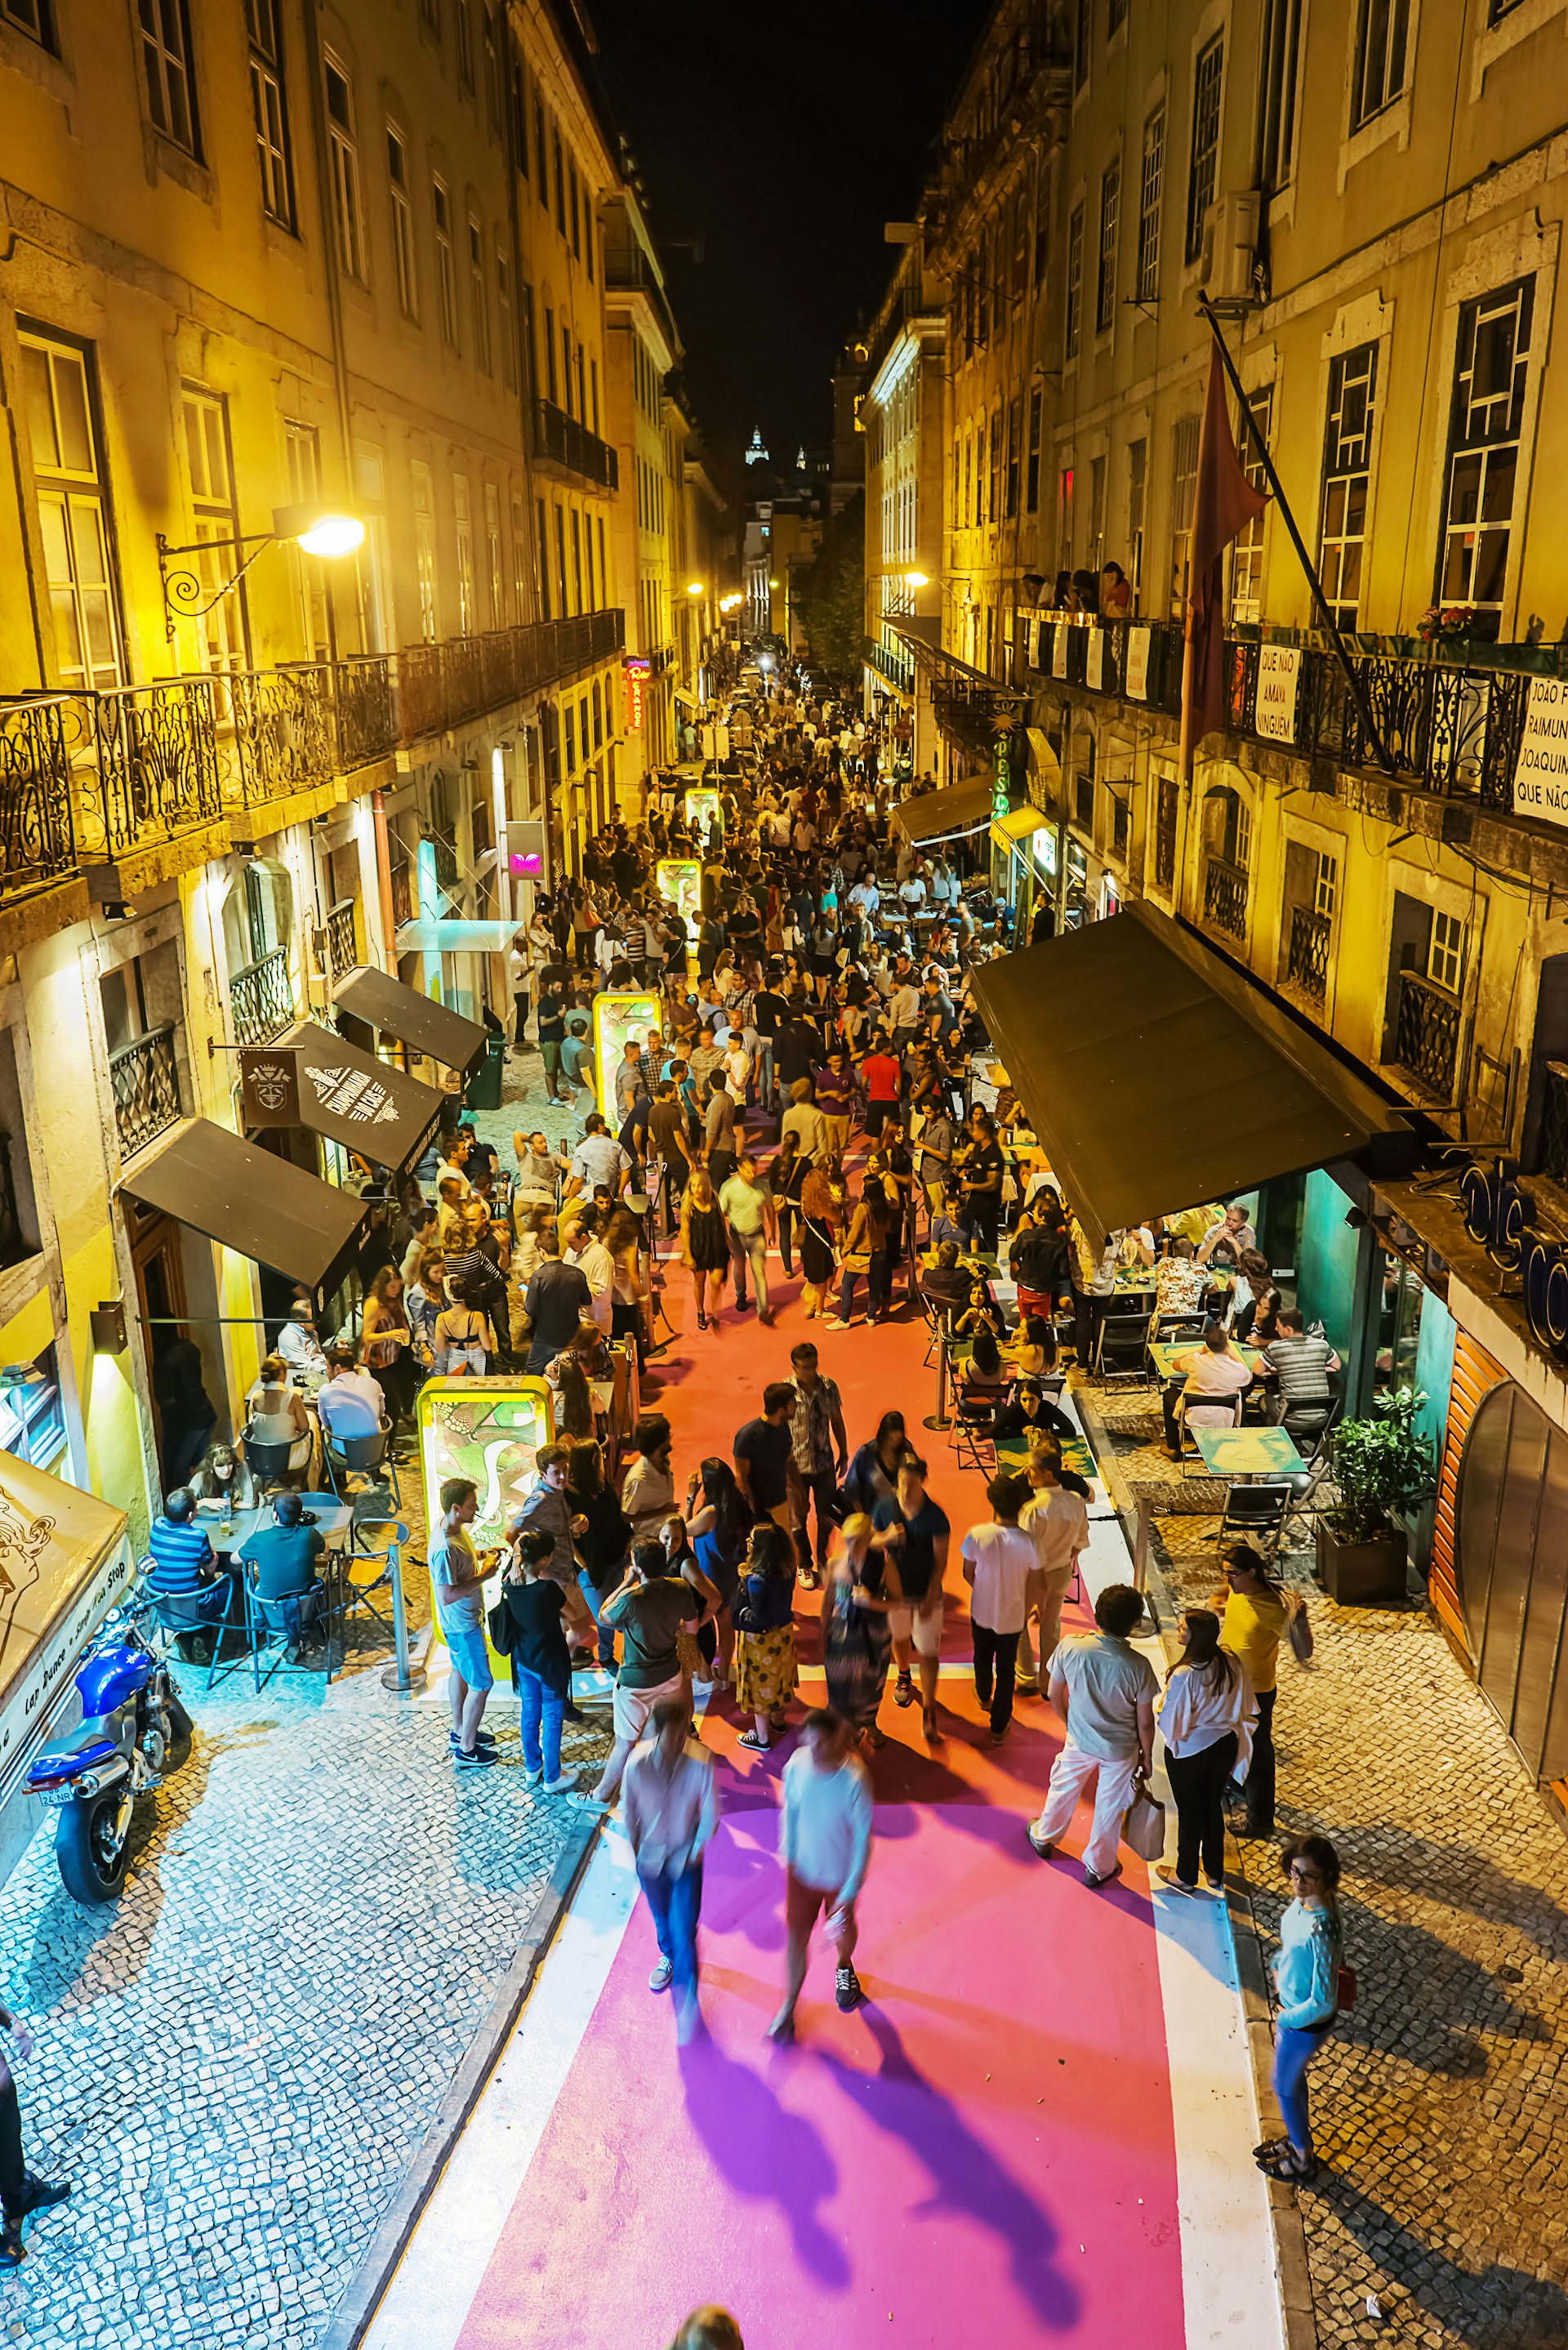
[
  {"x": 846, "y": 1989},
  {"x": 43, "y": 2193},
  {"x": 481, "y": 1758},
  {"x": 743, "y": 1305},
  {"x": 482, "y": 1738}
]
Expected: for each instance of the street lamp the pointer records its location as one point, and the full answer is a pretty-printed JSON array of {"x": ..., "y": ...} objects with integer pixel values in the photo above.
[
  {"x": 319, "y": 529},
  {"x": 916, "y": 579},
  {"x": 695, "y": 587}
]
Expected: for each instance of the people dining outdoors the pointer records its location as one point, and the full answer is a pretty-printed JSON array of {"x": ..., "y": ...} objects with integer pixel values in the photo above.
[{"x": 1215, "y": 1378}]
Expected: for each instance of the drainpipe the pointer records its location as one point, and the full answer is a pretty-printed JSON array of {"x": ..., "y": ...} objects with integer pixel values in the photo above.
[{"x": 384, "y": 881}]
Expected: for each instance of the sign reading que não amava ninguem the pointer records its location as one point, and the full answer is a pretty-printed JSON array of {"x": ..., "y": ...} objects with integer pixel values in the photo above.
[{"x": 1541, "y": 776}]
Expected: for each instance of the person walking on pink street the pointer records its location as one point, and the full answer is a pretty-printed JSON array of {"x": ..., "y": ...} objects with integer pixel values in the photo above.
[
  {"x": 825, "y": 1842},
  {"x": 1104, "y": 1693}
]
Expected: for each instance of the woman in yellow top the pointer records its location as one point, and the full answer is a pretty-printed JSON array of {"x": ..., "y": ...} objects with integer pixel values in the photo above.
[{"x": 1255, "y": 1613}]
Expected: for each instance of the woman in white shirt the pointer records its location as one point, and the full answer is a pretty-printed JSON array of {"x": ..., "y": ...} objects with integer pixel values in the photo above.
[{"x": 1207, "y": 1713}]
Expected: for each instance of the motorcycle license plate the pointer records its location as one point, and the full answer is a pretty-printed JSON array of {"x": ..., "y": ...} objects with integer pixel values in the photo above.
[{"x": 59, "y": 1796}]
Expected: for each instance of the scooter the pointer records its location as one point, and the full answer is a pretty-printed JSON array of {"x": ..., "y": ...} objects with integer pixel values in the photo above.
[{"x": 133, "y": 1727}]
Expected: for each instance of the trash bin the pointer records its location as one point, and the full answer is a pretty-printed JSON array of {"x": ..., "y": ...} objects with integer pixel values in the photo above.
[{"x": 482, "y": 1090}]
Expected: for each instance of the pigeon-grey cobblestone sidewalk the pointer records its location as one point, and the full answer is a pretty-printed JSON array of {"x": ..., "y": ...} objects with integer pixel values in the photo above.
[
  {"x": 237, "y": 2063},
  {"x": 1441, "y": 2100}
]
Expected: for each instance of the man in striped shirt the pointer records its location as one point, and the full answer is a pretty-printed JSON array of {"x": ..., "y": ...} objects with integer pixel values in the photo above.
[
  {"x": 183, "y": 1566},
  {"x": 1300, "y": 1361}
]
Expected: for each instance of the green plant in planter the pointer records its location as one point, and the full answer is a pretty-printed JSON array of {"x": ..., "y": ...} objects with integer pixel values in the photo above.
[{"x": 1382, "y": 1469}]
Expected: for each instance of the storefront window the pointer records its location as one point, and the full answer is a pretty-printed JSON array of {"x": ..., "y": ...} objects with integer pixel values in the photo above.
[
  {"x": 32, "y": 1417},
  {"x": 1399, "y": 1325}
]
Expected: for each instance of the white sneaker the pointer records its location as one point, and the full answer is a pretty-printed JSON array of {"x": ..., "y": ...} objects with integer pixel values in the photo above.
[
  {"x": 832, "y": 1322},
  {"x": 660, "y": 1978},
  {"x": 531, "y": 1778},
  {"x": 559, "y": 1786}
]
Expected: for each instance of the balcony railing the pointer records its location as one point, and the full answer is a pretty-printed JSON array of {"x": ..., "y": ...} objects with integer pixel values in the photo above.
[
  {"x": 560, "y": 440},
  {"x": 1306, "y": 955},
  {"x": 37, "y": 827},
  {"x": 342, "y": 946},
  {"x": 1426, "y": 1034},
  {"x": 442, "y": 685},
  {"x": 260, "y": 998},
  {"x": 1225, "y": 897},
  {"x": 899, "y": 668},
  {"x": 1450, "y": 725},
  {"x": 144, "y": 1078},
  {"x": 156, "y": 752}
]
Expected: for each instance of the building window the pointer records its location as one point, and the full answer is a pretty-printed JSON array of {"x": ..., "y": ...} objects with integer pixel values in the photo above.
[
  {"x": 34, "y": 18},
  {"x": 214, "y": 512},
  {"x": 270, "y": 110},
  {"x": 1281, "y": 32},
  {"x": 478, "y": 295},
  {"x": 1095, "y": 551},
  {"x": 574, "y": 207},
  {"x": 578, "y": 604},
  {"x": 1377, "y": 67},
  {"x": 566, "y": 368},
  {"x": 73, "y": 511},
  {"x": 604, "y": 574},
  {"x": 343, "y": 165},
  {"x": 1205, "y": 163},
  {"x": 542, "y": 558},
  {"x": 463, "y": 534},
  {"x": 494, "y": 555},
  {"x": 1074, "y": 283},
  {"x": 1492, "y": 367},
  {"x": 402, "y": 224},
  {"x": 1012, "y": 486},
  {"x": 1086, "y": 34},
  {"x": 464, "y": 44},
  {"x": 1446, "y": 952},
  {"x": 1347, "y": 479},
  {"x": 1325, "y": 885},
  {"x": 1110, "y": 215},
  {"x": 1183, "y": 485},
  {"x": 425, "y": 548},
  {"x": 1151, "y": 188},
  {"x": 993, "y": 474},
  {"x": 302, "y": 448},
  {"x": 1247, "y": 548},
  {"x": 562, "y": 598},
  {"x": 1137, "y": 494},
  {"x": 1042, "y": 218},
  {"x": 560, "y": 180},
  {"x": 503, "y": 320},
  {"x": 169, "y": 67},
  {"x": 542, "y": 177},
  {"x": 550, "y": 357},
  {"x": 1115, "y": 18},
  {"x": 594, "y": 394},
  {"x": 446, "y": 276},
  {"x": 1032, "y": 471}
]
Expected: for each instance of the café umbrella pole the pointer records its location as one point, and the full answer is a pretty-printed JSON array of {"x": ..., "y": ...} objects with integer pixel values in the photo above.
[{"x": 938, "y": 1419}]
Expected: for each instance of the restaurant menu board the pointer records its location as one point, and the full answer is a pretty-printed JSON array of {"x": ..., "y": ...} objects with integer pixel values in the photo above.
[
  {"x": 680, "y": 881},
  {"x": 702, "y": 811},
  {"x": 489, "y": 1431},
  {"x": 617, "y": 1020}
]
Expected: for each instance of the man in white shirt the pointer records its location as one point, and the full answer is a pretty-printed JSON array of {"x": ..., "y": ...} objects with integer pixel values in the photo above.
[
  {"x": 1224, "y": 1243},
  {"x": 1057, "y": 1522},
  {"x": 595, "y": 1262},
  {"x": 866, "y": 898},
  {"x": 825, "y": 1842},
  {"x": 299, "y": 1346},
  {"x": 1104, "y": 1693},
  {"x": 997, "y": 1560},
  {"x": 672, "y": 1812},
  {"x": 351, "y": 1403},
  {"x": 912, "y": 892}
]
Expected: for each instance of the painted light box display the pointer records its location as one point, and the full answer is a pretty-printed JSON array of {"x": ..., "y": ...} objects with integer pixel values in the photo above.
[
  {"x": 680, "y": 881},
  {"x": 702, "y": 812},
  {"x": 488, "y": 1430},
  {"x": 619, "y": 1019}
]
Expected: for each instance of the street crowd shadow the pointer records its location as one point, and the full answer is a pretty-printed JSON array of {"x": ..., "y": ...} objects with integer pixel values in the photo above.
[
  {"x": 1458, "y": 1876},
  {"x": 764, "y": 2152},
  {"x": 1491, "y": 2308}
]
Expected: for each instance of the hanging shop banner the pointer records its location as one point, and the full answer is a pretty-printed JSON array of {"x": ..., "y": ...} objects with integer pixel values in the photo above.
[
  {"x": 269, "y": 1087},
  {"x": 1279, "y": 684},
  {"x": 1095, "y": 664},
  {"x": 634, "y": 666},
  {"x": 1059, "y": 649},
  {"x": 1541, "y": 776},
  {"x": 1136, "y": 682}
]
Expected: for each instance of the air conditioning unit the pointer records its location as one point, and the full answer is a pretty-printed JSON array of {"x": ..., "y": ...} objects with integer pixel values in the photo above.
[{"x": 1230, "y": 246}]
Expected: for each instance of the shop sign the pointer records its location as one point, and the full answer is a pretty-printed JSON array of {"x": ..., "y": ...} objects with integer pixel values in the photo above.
[
  {"x": 1279, "y": 684},
  {"x": 269, "y": 1087},
  {"x": 1059, "y": 649},
  {"x": 636, "y": 688},
  {"x": 351, "y": 1093},
  {"x": 1095, "y": 666},
  {"x": 1500, "y": 1214},
  {"x": 1540, "y": 774},
  {"x": 1044, "y": 846},
  {"x": 1136, "y": 682}
]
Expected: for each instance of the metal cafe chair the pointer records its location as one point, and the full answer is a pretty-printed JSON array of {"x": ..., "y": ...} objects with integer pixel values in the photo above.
[
  {"x": 266, "y": 1460},
  {"x": 359, "y": 1456},
  {"x": 974, "y": 1431},
  {"x": 1256, "y": 1513},
  {"x": 1309, "y": 1424},
  {"x": 1121, "y": 1351},
  {"x": 179, "y": 1617},
  {"x": 367, "y": 1568},
  {"x": 279, "y": 1629}
]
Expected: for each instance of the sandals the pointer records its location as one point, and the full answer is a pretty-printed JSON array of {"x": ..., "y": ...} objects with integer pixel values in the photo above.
[
  {"x": 1288, "y": 2166},
  {"x": 701, "y": 1321}
]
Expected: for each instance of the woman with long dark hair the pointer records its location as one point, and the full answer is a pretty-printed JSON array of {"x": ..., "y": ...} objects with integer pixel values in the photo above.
[
  {"x": 765, "y": 1665},
  {"x": 717, "y": 1522},
  {"x": 866, "y": 1249},
  {"x": 856, "y": 1637},
  {"x": 1207, "y": 1715},
  {"x": 602, "y": 1540},
  {"x": 1307, "y": 1984}
]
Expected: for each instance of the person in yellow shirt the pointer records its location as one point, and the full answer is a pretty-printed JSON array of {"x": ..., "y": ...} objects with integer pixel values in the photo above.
[
  {"x": 1254, "y": 1614},
  {"x": 1194, "y": 1222}
]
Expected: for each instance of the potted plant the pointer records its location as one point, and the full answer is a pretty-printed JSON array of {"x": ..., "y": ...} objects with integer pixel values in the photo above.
[{"x": 1382, "y": 1471}]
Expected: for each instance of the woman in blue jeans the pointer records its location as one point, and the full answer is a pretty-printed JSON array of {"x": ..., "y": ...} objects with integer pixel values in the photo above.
[
  {"x": 541, "y": 1662},
  {"x": 1306, "y": 1983}
]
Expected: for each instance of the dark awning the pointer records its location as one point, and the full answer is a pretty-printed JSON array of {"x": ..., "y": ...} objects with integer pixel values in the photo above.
[
  {"x": 255, "y": 1203},
  {"x": 1157, "y": 1078},
  {"x": 957, "y": 807},
  {"x": 384, "y": 1003},
  {"x": 360, "y": 1101}
]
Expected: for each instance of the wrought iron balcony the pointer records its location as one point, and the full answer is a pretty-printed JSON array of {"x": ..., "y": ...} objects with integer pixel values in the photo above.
[
  {"x": 260, "y": 998},
  {"x": 342, "y": 946},
  {"x": 560, "y": 440},
  {"x": 1225, "y": 897},
  {"x": 443, "y": 685},
  {"x": 144, "y": 1078},
  {"x": 37, "y": 792},
  {"x": 1306, "y": 955},
  {"x": 897, "y": 667},
  {"x": 1426, "y": 1034},
  {"x": 156, "y": 752}
]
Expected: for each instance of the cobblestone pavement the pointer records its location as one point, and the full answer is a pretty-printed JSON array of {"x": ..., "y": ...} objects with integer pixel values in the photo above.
[
  {"x": 1439, "y": 2100},
  {"x": 235, "y": 2064}
]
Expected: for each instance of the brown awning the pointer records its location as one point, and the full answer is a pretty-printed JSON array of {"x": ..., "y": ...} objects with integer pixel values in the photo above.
[
  {"x": 384, "y": 1003},
  {"x": 957, "y": 808},
  {"x": 1158, "y": 1078},
  {"x": 360, "y": 1102},
  {"x": 255, "y": 1203}
]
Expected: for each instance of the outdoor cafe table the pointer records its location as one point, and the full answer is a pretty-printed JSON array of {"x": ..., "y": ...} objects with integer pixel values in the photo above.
[
  {"x": 1163, "y": 1354},
  {"x": 232, "y": 1531},
  {"x": 1235, "y": 1452},
  {"x": 1012, "y": 1453}
]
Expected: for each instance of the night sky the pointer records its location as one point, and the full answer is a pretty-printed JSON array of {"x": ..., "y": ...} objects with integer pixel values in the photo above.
[{"x": 784, "y": 138}]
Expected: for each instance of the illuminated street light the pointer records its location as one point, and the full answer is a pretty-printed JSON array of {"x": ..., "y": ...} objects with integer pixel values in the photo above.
[
  {"x": 916, "y": 579},
  {"x": 317, "y": 528},
  {"x": 695, "y": 587}
]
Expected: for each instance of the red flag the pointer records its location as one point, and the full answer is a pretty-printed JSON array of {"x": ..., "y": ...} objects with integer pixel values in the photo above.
[{"x": 1224, "y": 503}]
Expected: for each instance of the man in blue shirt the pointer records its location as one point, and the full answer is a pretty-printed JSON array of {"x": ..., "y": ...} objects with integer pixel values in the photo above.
[
  {"x": 282, "y": 1557},
  {"x": 597, "y": 1159},
  {"x": 183, "y": 1566}
]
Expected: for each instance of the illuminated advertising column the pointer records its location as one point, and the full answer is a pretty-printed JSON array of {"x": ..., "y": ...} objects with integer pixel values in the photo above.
[
  {"x": 490, "y": 1431},
  {"x": 618, "y": 1020}
]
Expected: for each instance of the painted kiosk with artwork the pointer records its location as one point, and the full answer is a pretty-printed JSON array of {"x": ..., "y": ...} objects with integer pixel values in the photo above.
[
  {"x": 619, "y": 1019},
  {"x": 679, "y": 882},
  {"x": 704, "y": 816},
  {"x": 490, "y": 1430}
]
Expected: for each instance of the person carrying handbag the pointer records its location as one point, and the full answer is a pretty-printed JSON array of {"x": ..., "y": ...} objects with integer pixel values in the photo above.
[
  {"x": 1104, "y": 1693},
  {"x": 1312, "y": 1983},
  {"x": 1207, "y": 1714}
]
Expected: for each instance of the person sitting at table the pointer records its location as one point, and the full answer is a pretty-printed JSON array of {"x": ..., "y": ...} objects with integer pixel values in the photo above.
[
  {"x": 299, "y": 1344},
  {"x": 1181, "y": 1286},
  {"x": 224, "y": 1478},
  {"x": 1215, "y": 1379},
  {"x": 1300, "y": 1360},
  {"x": 280, "y": 1562},
  {"x": 185, "y": 1568},
  {"x": 1040, "y": 1258},
  {"x": 946, "y": 1283},
  {"x": 979, "y": 1316},
  {"x": 1222, "y": 1243},
  {"x": 351, "y": 1403},
  {"x": 1028, "y": 1411},
  {"x": 1257, "y": 1300},
  {"x": 985, "y": 1375},
  {"x": 278, "y": 1414},
  {"x": 1032, "y": 1351}
]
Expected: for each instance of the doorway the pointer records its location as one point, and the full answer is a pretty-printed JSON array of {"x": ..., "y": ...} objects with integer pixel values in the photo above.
[{"x": 1512, "y": 1571}]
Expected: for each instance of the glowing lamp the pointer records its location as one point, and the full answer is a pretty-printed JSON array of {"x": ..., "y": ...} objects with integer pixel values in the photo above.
[{"x": 319, "y": 530}]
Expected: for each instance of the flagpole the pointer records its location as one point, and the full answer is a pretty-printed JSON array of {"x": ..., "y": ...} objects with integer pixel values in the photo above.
[{"x": 1325, "y": 617}]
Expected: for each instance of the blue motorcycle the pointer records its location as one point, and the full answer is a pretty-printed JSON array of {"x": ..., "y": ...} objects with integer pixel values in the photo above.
[{"x": 133, "y": 1728}]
